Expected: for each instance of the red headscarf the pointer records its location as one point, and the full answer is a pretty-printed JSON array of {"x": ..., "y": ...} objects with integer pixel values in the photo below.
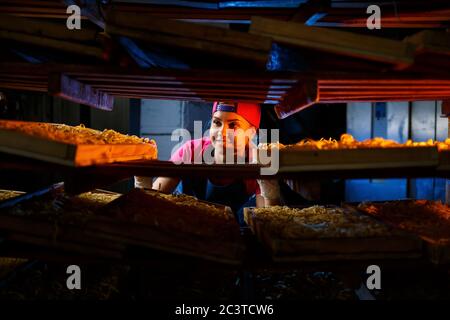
[{"x": 250, "y": 111}]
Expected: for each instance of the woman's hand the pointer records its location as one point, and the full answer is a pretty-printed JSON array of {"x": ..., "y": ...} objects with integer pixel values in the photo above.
[
  {"x": 166, "y": 185},
  {"x": 270, "y": 191},
  {"x": 143, "y": 182}
]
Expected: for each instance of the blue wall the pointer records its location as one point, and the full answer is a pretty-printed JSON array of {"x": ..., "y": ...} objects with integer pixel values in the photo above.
[{"x": 398, "y": 121}]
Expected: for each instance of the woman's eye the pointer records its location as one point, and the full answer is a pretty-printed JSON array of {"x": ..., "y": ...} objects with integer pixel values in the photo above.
[
  {"x": 234, "y": 125},
  {"x": 217, "y": 123}
]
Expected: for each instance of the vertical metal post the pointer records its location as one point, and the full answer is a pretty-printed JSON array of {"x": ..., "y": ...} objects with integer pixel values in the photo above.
[{"x": 446, "y": 112}]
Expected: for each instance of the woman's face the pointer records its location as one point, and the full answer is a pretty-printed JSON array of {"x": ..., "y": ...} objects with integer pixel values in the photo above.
[{"x": 230, "y": 132}]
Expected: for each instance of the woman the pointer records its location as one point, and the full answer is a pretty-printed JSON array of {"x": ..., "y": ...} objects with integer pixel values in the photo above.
[{"x": 233, "y": 125}]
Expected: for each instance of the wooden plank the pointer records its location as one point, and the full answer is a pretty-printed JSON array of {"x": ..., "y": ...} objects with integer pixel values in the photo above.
[
  {"x": 341, "y": 42},
  {"x": 66, "y": 46},
  {"x": 356, "y": 80},
  {"x": 46, "y": 29},
  {"x": 365, "y": 93},
  {"x": 430, "y": 94},
  {"x": 179, "y": 75},
  {"x": 167, "y": 169},
  {"x": 244, "y": 76},
  {"x": 174, "y": 83},
  {"x": 221, "y": 76},
  {"x": 206, "y": 84},
  {"x": 204, "y": 96},
  {"x": 188, "y": 89},
  {"x": 30, "y": 82},
  {"x": 23, "y": 87},
  {"x": 149, "y": 168},
  {"x": 378, "y": 99},
  {"x": 292, "y": 160},
  {"x": 200, "y": 93},
  {"x": 192, "y": 91},
  {"x": 365, "y": 78},
  {"x": 131, "y": 95},
  {"x": 152, "y": 25},
  {"x": 63, "y": 86},
  {"x": 228, "y": 15},
  {"x": 381, "y": 87},
  {"x": 189, "y": 43},
  {"x": 398, "y": 16},
  {"x": 298, "y": 98},
  {"x": 431, "y": 41}
]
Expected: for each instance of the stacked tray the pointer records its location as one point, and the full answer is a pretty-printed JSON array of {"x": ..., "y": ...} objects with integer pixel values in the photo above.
[
  {"x": 104, "y": 225},
  {"x": 179, "y": 224},
  {"x": 286, "y": 233},
  {"x": 16, "y": 138},
  {"x": 430, "y": 220}
]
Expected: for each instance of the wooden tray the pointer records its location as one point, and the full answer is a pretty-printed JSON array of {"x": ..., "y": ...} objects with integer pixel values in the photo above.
[
  {"x": 400, "y": 245},
  {"x": 166, "y": 236},
  {"x": 41, "y": 232},
  {"x": 437, "y": 251},
  {"x": 292, "y": 160},
  {"x": 106, "y": 237},
  {"x": 22, "y": 144}
]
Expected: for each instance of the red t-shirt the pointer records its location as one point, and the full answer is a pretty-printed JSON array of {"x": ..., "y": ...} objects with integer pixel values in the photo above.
[{"x": 186, "y": 154}]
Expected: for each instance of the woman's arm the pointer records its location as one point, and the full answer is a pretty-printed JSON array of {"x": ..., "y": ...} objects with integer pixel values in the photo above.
[
  {"x": 270, "y": 193},
  {"x": 164, "y": 184},
  {"x": 261, "y": 202}
]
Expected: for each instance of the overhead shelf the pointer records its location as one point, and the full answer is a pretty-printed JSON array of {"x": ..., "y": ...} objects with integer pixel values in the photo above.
[
  {"x": 398, "y": 14},
  {"x": 290, "y": 92},
  {"x": 200, "y": 62}
]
